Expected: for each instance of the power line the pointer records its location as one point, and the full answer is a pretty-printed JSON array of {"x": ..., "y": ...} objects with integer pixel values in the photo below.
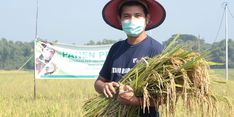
[
  {"x": 220, "y": 26},
  {"x": 230, "y": 12},
  {"x": 25, "y": 63}
]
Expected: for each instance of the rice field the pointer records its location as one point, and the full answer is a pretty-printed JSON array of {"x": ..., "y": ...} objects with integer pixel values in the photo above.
[
  {"x": 221, "y": 73},
  {"x": 65, "y": 97}
]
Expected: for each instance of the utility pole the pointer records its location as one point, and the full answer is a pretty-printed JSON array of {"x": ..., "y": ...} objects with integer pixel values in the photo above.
[
  {"x": 226, "y": 37},
  {"x": 35, "y": 39}
]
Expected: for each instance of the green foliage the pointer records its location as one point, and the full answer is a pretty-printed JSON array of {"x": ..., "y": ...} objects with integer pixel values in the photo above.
[
  {"x": 217, "y": 49},
  {"x": 103, "y": 42},
  {"x": 218, "y": 53},
  {"x": 191, "y": 42},
  {"x": 14, "y": 54}
]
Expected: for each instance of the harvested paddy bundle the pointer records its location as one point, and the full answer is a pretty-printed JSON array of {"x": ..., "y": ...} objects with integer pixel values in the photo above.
[{"x": 175, "y": 74}]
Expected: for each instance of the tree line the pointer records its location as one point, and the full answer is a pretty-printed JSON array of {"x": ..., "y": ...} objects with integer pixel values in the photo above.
[
  {"x": 215, "y": 51},
  {"x": 13, "y": 54}
]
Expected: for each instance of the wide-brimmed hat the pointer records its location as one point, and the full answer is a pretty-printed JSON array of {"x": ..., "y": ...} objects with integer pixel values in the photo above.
[{"x": 156, "y": 11}]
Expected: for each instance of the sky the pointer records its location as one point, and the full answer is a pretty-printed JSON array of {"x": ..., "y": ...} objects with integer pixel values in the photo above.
[{"x": 78, "y": 21}]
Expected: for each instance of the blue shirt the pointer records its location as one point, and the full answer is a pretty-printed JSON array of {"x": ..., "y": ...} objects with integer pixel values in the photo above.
[{"x": 123, "y": 56}]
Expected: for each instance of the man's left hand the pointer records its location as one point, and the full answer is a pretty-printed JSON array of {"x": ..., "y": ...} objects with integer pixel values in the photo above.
[{"x": 126, "y": 96}]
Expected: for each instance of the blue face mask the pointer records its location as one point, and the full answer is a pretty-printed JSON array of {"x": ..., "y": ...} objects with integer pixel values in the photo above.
[{"x": 133, "y": 28}]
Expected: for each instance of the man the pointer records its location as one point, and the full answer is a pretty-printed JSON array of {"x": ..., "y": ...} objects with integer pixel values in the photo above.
[{"x": 134, "y": 17}]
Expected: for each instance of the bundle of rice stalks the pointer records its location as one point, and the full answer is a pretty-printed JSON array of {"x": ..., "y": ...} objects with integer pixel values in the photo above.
[{"x": 176, "y": 73}]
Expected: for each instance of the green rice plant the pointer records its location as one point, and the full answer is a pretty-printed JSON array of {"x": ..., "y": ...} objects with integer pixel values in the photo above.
[{"x": 176, "y": 74}]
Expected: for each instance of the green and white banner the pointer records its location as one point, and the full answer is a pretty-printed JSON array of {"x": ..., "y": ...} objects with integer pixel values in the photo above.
[{"x": 62, "y": 61}]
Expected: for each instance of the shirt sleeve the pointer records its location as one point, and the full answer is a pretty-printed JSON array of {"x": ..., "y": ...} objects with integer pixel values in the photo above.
[{"x": 107, "y": 66}]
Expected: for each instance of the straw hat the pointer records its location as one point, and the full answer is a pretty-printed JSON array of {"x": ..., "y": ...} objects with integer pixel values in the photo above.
[{"x": 155, "y": 9}]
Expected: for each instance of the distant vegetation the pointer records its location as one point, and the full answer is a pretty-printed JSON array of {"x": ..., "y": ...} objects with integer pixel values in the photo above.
[
  {"x": 216, "y": 50},
  {"x": 14, "y": 54},
  {"x": 103, "y": 42}
]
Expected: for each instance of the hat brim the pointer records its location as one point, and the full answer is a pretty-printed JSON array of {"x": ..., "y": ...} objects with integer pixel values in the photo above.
[{"x": 156, "y": 11}]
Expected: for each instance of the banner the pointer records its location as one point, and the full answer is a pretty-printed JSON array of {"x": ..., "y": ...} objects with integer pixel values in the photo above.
[{"x": 62, "y": 61}]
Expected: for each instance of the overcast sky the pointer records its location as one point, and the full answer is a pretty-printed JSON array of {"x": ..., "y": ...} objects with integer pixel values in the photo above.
[{"x": 78, "y": 21}]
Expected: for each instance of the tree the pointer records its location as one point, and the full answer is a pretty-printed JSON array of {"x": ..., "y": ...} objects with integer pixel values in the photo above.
[
  {"x": 14, "y": 54},
  {"x": 190, "y": 42},
  {"x": 91, "y": 42},
  {"x": 102, "y": 42},
  {"x": 218, "y": 53},
  {"x": 217, "y": 49}
]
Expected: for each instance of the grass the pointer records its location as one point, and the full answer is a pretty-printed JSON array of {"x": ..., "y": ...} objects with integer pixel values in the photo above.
[
  {"x": 54, "y": 97},
  {"x": 221, "y": 73},
  {"x": 63, "y": 97}
]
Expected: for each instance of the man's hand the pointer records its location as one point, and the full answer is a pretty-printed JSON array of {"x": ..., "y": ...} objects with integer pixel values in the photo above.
[
  {"x": 105, "y": 87},
  {"x": 126, "y": 96},
  {"x": 109, "y": 89}
]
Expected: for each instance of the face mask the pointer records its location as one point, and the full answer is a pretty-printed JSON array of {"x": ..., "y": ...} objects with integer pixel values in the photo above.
[{"x": 133, "y": 28}]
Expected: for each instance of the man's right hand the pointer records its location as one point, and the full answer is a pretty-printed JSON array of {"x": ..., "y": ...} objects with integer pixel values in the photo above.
[
  {"x": 109, "y": 89},
  {"x": 105, "y": 87}
]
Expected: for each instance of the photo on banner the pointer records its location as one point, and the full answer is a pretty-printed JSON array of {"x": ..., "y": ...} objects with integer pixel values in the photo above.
[{"x": 64, "y": 61}]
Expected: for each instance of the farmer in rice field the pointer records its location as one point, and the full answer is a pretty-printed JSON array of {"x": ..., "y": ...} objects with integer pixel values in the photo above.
[{"x": 134, "y": 17}]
